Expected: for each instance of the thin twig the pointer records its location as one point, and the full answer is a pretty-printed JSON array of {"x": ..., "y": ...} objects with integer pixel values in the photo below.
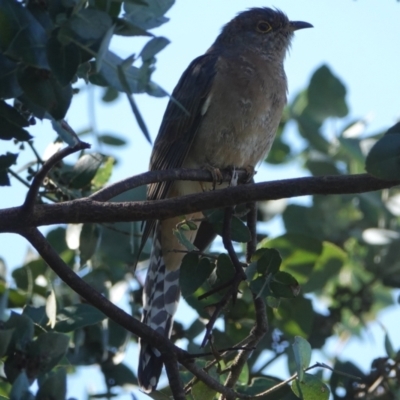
[
  {"x": 16, "y": 176},
  {"x": 38, "y": 158},
  {"x": 171, "y": 366},
  {"x": 251, "y": 224},
  {"x": 230, "y": 349},
  {"x": 47, "y": 166},
  {"x": 217, "y": 289},
  {"x": 239, "y": 275},
  {"x": 261, "y": 324}
]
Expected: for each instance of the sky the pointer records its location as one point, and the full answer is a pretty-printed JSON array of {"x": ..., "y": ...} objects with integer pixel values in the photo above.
[{"x": 358, "y": 40}]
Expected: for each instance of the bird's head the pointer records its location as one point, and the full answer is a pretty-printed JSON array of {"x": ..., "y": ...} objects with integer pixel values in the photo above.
[{"x": 265, "y": 30}]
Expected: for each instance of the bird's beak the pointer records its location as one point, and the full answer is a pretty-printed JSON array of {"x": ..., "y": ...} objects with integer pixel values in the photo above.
[{"x": 296, "y": 25}]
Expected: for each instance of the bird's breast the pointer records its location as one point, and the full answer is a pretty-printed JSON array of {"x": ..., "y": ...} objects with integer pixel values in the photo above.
[{"x": 240, "y": 116}]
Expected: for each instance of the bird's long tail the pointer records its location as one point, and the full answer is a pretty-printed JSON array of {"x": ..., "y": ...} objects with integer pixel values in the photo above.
[{"x": 160, "y": 300}]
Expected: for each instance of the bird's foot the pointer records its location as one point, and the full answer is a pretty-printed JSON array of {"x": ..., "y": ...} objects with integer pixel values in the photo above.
[
  {"x": 216, "y": 175},
  {"x": 250, "y": 170}
]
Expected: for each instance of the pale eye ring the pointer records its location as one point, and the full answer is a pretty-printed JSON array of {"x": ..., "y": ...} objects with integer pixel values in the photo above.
[{"x": 263, "y": 27}]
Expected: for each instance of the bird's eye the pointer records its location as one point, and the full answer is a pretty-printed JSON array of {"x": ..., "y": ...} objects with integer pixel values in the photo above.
[{"x": 263, "y": 27}]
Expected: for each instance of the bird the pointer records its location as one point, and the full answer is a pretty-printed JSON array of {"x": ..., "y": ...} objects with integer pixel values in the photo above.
[{"x": 224, "y": 113}]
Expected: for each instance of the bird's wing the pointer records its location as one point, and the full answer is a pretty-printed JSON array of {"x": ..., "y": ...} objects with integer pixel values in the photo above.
[{"x": 180, "y": 124}]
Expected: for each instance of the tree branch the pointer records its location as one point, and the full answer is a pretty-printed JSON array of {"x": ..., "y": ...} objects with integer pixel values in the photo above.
[
  {"x": 92, "y": 296},
  {"x": 164, "y": 345},
  {"x": 86, "y": 210},
  {"x": 46, "y": 167}
]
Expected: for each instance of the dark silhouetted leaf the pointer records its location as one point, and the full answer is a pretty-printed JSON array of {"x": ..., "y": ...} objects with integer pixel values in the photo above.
[
  {"x": 9, "y": 87},
  {"x": 43, "y": 89},
  {"x": 193, "y": 273},
  {"x": 326, "y": 95},
  {"x": 148, "y": 16},
  {"x": 21, "y": 35},
  {"x": 54, "y": 386},
  {"x": 64, "y": 60},
  {"x": 73, "y": 317},
  {"x": 383, "y": 160}
]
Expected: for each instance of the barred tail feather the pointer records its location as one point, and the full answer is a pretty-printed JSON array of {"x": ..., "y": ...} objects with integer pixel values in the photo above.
[{"x": 160, "y": 300}]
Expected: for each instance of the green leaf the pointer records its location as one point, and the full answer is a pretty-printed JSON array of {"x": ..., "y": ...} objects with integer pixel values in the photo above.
[
  {"x": 36, "y": 314},
  {"x": 260, "y": 286},
  {"x": 311, "y": 388},
  {"x": 111, "y": 140},
  {"x": 23, "y": 331},
  {"x": 391, "y": 353},
  {"x": 20, "y": 387},
  {"x": 118, "y": 336},
  {"x": 103, "y": 174},
  {"x": 78, "y": 316},
  {"x": 322, "y": 167},
  {"x": 148, "y": 15},
  {"x": 310, "y": 129},
  {"x": 299, "y": 317},
  {"x": 48, "y": 350},
  {"x": 193, "y": 273},
  {"x": 56, "y": 237},
  {"x": 87, "y": 27},
  {"x": 5, "y": 339},
  {"x": 383, "y": 160},
  {"x": 327, "y": 267},
  {"x": 299, "y": 252},
  {"x": 84, "y": 170},
  {"x": 225, "y": 269},
  {"x": 268, "y": 261},
  {"x": 54, "y": 386},
  {"x": 88, "y": 241},
  {"x": 64, "y": 60},
  {"x": 201, "y": 391},
  {"x": 326, "y": 95},
  {"x": 239, "y": 231},
  {"x": 22, "y": 37},
  {"x": 112, "y": 8},
  {"x": 12, "y": 115},
  {"x": 9, "y": 87},
  {"x": 118, "y": 375},
  {"x": 180, "y": 234},
  {"x": 153, "y": 47},
  {"x": 42, "y": 89},
  {"x": 109, "y": 96},
  {"x": 352, "y": 148},
  {"x": 284, "y": 285},
  {"x": 25, "y": 276},
  {"x": 105, "y": 43},
  {"x": 302, "y": 355}
]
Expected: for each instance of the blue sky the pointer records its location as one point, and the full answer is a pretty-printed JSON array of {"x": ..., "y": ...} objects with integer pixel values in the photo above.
[{"x": 357, "y": 39}]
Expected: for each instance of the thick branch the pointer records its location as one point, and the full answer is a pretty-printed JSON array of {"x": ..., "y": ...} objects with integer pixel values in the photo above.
[
  {"x": 166, "y": 347},
  {"x": 50, "y": 256},
  {"x": 86, "y": 210}
]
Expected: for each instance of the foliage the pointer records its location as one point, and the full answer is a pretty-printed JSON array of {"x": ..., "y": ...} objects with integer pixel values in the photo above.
[{"x": 332, "y": 250}]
